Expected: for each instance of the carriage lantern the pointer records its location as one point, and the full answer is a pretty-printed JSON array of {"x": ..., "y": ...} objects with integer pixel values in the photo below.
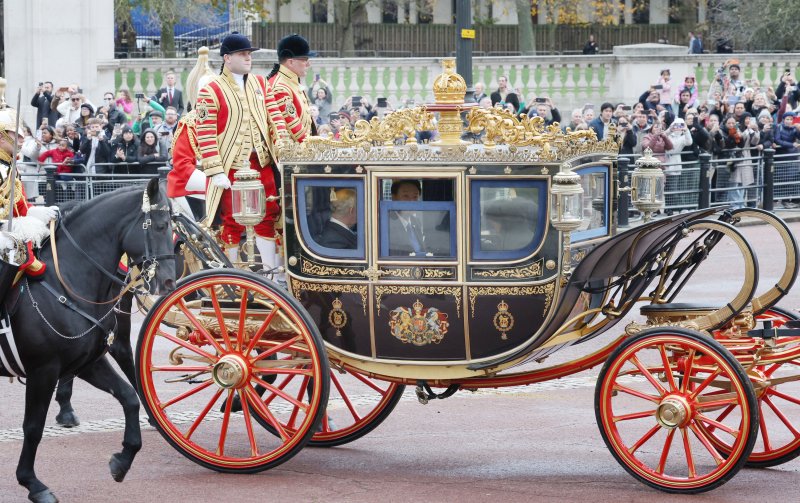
[
  {"x": 647, "y": 185},
  {"x": 249, "y": 205},
  {"x": 566, "y": 208}
]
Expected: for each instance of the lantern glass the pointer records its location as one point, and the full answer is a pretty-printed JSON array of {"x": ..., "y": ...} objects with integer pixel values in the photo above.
[
  {"x": 649, "y": 189},
  {"x": 247, "y": 202},
  {"x": 568, "y": 207}
]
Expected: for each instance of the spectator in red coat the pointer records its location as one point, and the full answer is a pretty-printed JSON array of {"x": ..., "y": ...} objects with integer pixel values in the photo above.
[{"x": 60, "y": 156}]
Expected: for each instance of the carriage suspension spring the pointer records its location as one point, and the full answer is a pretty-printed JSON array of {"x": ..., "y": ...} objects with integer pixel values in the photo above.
[{"x": 425, "y": 393}]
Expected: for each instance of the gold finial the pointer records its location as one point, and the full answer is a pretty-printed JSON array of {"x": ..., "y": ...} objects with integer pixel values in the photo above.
[
  {"x": 2, "y": 93},
  {"x": 200, "y": 75},
  {"x": 449, "y": 87}
]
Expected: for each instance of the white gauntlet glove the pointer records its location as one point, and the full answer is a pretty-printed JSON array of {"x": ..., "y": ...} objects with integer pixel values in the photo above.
[
  {"x": 43, "y": 213},
  {"x": 221, "y": 181}
]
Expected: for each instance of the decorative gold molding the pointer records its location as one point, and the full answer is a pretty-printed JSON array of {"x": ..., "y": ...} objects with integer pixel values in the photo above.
[
  {"x": 530, "y": 271},
  {"x": 546, "y": 289},
  {"x": 381, "y": 290},
  {"x": 298, "y": 286},
  {"x": 314, "y": 269},
  {"x": 437, "y": 273}
]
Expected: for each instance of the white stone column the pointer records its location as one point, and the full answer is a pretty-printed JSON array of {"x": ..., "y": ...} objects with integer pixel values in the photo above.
[
  {"x": 35, "y": 47},
  {"x": 659, "y": 11}
]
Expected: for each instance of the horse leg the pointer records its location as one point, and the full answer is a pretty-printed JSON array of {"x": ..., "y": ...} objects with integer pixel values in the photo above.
[
  {"x": 66, "y": 416},
  {"x": 38, "y": 393},
  {"x": 102, "y": 376},
  {"x": 121, "y": 350}
]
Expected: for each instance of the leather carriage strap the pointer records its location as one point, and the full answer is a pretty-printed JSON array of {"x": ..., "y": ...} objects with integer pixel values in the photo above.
[
  {"x": 65, "y": 301},
  {"x": 70, "y": 291}
]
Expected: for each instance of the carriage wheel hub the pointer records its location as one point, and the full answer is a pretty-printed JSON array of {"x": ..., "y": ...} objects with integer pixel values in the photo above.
[
  {"x": 672, "y": 412},
  {"x": 230, "y": 372}
]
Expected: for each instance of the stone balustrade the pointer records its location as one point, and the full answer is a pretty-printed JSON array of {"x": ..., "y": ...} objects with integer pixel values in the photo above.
[{"x": 570, "y": 81}]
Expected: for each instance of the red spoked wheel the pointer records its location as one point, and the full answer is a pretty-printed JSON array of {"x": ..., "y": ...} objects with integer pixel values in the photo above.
[
  {"x": 357, "y": 405},
  {"x": 778, "y": 402},
  {"x": 654, "y": 420},
  {"x": 202, "y": 347}
]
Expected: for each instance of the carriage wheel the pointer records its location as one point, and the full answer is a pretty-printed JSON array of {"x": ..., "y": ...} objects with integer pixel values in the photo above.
[
  {"x": 779, "y": 407},
  {"x": 357, "y": 405},
  {"x": 653, "y": 419},
  {"x": 189, "y": 371}
]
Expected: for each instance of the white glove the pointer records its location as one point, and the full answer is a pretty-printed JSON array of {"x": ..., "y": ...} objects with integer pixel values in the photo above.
[
  {"x": 43, "y": 213},
  {"x": 221, "y": 181}
]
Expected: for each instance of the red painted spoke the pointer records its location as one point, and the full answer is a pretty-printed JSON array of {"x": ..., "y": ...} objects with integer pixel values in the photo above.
[
  {"x": 346, "y": 398},
  {"x": 280, "y": 393},
  {"x": 242, "y": 317},
  {"x": 295, "y": 410},
  {"x": 226, "y": 419},
  {"x": 718, "y": 425},
  {"x": 762, "y": 428},
  {"x": 782, "y": 417},
  {"x": 366, "y": 380},
  {"x": 646, "y": 373},
  {"x": 647, "y": 436},
  {"x": 203, "y": 413},
  {"x": 187, "y": 345},
  {"x": 326, "y": 427},
  {"x": 276, "y": 349},
  {"x": 662, "y": 461},
  {"x": 687, "y": 449},
  {"x": 180, "y": 368},
  {"x": 786, "y": 397},
  {"x": 269, "y": 370},
  {"x": 724, "y": 414},
  {"x": 667, "y": 368},
  {"x": 713, "y": 404},
  {"x": 266, "y": 413},
  {"x": 688, "y": 370},
  {"x": 636, "y": 393},
  {"x": 199, "y": 327},
  {"x": 186, "y": 394},
  {"x": 703, "y": 385},
  {"x": 634, "y": 415},
  {"x": 768, "y": 372},
  {"x": 262, "y": 329},
  {"x": 701, "y": 436},
  {"x": 281, "y": 386},
  {"x": 248, "y": 424},
  {"x": 220, "y": 319}
]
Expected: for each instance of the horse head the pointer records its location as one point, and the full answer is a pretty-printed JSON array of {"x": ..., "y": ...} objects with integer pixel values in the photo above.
[{"x": 148, "y": 243}]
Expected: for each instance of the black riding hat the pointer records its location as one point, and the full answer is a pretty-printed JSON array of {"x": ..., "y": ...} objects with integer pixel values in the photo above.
[
  {"x": 294, "y": 46},
  {"x": 235, "y": 42}
]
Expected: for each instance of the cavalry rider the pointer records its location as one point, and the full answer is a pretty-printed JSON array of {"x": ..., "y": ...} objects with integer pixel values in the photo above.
[
  {"x": 237, "y": 122},
  {"x": 29, "y": 222},
  {"x": 290, "y": 95}
]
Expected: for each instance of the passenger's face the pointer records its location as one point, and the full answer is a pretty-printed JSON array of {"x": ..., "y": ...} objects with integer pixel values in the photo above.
[{"x": 406, "y": 192}]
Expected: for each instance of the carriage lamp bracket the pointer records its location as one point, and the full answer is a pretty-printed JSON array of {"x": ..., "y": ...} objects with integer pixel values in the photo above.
[{"x": 425, "y": 393}]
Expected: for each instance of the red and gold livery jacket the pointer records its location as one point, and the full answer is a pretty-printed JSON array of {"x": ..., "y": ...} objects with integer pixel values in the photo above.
[
  {"x": 185, "y": 153},
  {"x": 226, "y": 114},
  {"x": 31, "y": 265},
  {"x": 292, "y": 102}
]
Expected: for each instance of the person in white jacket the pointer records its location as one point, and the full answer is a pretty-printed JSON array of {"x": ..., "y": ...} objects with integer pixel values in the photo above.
[
  {"x": 680, "y": 137},
  {"x": 742, "y": 174}
]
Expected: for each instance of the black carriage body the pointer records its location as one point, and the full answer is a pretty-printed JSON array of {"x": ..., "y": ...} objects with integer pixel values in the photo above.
[{"x": 487, "y": 285}]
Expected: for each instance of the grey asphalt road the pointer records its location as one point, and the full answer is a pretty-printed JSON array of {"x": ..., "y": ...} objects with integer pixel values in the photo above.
[{"x": 534, "y": 443}]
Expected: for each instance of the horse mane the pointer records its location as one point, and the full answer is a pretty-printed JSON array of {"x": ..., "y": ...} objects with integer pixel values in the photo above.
[{"x": 72, "y": 209}]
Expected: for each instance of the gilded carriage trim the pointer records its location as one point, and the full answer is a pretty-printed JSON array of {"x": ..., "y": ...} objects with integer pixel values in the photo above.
[
  {"x": 437, "y": 273},
  {"x": 314, "y": 269},
  {"x": 419, "y": 326},
  {"x": 299, "y": 286},
  {"x": 397, "y": 272},
  {"x": 578, "y": 255},
  {"x": 417, "y": 273},
  {"x": 337, "y": 317},
  {"x": 546, "y": 289},
  {"x": 533, "y": 270},
  {"x": 381, "y": 290},
  {"x": 503, "y": 320}
]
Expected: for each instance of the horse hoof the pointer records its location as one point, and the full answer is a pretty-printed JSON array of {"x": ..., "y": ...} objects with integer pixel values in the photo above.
[
  {"x": 45, "y": 496},
  {"x": 67, "y": 419},
  {"x": 118, "y": 468}
]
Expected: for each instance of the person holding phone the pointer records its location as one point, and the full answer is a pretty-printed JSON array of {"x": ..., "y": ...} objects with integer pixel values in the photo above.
[
  {"x": 665, "y": 91},
  {"x": 41, "y": 101}
]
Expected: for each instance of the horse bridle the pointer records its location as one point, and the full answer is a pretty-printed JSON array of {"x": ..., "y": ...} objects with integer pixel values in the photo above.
[{"x": 147, "y": 263}]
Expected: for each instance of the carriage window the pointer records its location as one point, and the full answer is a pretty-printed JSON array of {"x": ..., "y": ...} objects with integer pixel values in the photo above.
[
  {"x": 417, "y": 219},
  {"x": 595, "y": 182},
  {"x": 508, "y": 218},
  {"x": 330, "y": 214}
]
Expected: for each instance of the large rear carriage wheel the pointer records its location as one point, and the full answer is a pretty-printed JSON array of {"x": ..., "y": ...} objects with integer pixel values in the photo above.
[
  {"x": 217, "y": 337},
  {"x": 656, "y": 397}
]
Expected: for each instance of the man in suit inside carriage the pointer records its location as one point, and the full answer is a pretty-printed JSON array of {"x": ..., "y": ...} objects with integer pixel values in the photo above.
[
  {"x": 406, "y": 237},
  {"x": 237, "y": 124},
  {"x": 338, "y": 232}
]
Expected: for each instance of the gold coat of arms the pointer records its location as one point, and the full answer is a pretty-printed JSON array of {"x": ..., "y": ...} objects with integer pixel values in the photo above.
[{"x": 418, "y": 326}]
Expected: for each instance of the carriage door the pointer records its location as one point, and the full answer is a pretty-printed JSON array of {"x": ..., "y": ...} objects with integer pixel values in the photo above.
[{"x": 414, "y": 259}]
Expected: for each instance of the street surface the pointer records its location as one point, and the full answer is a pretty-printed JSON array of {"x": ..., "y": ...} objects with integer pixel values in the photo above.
[{"x": 534, "y": 443}]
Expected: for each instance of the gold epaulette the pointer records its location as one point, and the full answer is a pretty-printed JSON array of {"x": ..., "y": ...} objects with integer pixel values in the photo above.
[
  {"x": 188, "y": 123},
  {"x": 5, "y": 188}
]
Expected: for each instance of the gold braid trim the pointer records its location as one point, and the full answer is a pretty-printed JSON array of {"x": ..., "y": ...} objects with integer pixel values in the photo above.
[
  {"x": 5, "y": 188},
  {"x": 187, "y": 122}
]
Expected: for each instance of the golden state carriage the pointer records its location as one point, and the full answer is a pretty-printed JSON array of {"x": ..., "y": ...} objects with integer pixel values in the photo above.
[{"x": 506, "y": 252}]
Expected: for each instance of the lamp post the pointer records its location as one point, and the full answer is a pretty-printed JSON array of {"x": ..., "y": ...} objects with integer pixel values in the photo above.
[
  {"x": 566, "y": 209},
  {"x": 249, "y": 205},
  {"x": 647, "y": 185}
]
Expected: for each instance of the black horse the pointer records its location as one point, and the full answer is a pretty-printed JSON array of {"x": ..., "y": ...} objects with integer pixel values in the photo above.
[{"x": 63, "y": 325}]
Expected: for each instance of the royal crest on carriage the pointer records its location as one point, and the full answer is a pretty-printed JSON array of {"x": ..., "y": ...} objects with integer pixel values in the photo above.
[
  {"x": 337, "y": 317},
  {"x": 418, "y": 326},
  {"x": 503, "y": 320}
]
